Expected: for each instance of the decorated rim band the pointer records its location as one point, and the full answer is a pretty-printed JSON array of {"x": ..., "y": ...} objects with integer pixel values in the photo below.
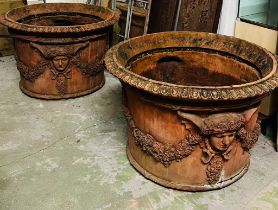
[
  {"x": 10, "y": 18},
  {"x": 60, "y": 40},
  {"x": 210, "y": 93}
]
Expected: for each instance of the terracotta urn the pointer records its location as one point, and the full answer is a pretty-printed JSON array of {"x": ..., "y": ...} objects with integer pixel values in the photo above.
[
  {"x": 191, "y": 101},
  {"x": 59, "y": 48},
  {"x": 137, "y": 22}
]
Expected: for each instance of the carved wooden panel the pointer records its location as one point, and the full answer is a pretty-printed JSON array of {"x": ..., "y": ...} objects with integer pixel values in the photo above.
[
  {"x": 194, "y": 15},
  {"x": 199, "y": 15}
]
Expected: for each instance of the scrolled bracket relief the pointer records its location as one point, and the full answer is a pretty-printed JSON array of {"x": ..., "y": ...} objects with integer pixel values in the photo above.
[{"x": 63, "y": 56}]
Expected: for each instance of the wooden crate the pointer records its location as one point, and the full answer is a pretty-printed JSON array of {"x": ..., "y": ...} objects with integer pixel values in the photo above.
[{"x": 268, "y": 39}]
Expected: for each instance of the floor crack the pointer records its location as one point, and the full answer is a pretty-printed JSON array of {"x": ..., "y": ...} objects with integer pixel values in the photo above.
[{"x": 48, "y": 146}]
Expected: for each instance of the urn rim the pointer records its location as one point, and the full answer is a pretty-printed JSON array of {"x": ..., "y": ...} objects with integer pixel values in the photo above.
[
  {"x": 11, "y": 18},
  {"x": 118, "y": 56}
]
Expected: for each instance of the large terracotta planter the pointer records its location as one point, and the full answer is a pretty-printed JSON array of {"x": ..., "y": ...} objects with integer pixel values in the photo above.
[
  {"x": 59, "y": 48},
  {"x": 191, "y": 100},
  {"x": 137, "y": 21}
]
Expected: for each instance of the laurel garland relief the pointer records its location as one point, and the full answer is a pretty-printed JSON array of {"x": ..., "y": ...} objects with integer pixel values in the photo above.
[
  {"x": 60, "y": 59},
  {"x": 214, "y": 134}
]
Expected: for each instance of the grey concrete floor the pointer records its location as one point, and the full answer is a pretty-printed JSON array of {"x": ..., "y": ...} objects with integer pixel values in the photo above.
[{"x": 70, "y": 154}]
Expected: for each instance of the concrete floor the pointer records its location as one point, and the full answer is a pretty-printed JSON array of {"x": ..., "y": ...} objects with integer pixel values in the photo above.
[{"x": 70, "y": 154}]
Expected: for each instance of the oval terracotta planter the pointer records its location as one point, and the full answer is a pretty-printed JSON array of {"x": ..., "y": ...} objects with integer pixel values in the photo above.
[
  {"x": 191, "y": 100},
  {"x": 137, "y": 21},
  {"x": 59, "y": 48}
]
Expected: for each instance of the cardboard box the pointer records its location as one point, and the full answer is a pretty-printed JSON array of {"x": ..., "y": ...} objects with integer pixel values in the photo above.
[{"x": 268, "y": 39}]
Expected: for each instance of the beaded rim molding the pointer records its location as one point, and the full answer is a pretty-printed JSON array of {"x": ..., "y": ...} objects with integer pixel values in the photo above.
[{"x": 118, "y": 56}]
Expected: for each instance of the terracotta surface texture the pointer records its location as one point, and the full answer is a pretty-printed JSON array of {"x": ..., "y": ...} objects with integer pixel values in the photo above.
[
  {"x": 191, "y": 100},
  {"x": 59, "y": 48}
]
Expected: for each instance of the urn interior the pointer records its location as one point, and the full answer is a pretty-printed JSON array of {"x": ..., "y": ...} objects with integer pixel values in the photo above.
[{"x": 190, "y": 67}]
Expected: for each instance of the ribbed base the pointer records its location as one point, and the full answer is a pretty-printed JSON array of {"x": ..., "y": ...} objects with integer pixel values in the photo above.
[
  {"x": 184, "y": 186},
  {"x": 53, "y": 97}
]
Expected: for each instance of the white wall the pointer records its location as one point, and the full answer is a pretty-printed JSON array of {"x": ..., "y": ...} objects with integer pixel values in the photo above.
[{"x": 228, "y": 17}]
